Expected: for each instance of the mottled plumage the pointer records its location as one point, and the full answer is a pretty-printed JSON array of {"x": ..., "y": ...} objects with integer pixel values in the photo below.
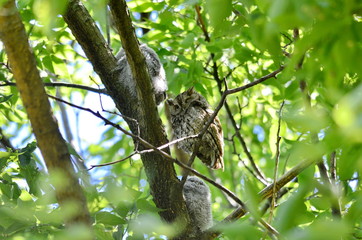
[
  {"x": 155, "y": 69},
  {"x": 198, "y": 202},
  {"x": 189, "y": 113}
]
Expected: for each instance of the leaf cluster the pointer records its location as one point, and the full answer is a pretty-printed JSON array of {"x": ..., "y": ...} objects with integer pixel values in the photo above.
[{"x": 211, "y": 45}]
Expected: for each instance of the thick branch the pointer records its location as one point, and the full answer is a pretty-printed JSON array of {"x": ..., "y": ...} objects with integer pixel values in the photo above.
[
  {"x": 164, "y": 185},
  {"x": 151, "y": 148},
  {"x": 90, "y": 38},
  {"x": 135, "y": 59},
  {"x": 265, "y": 193},
  {"x": 268, "y": 191},
  {"x": 31, "y": 89}
]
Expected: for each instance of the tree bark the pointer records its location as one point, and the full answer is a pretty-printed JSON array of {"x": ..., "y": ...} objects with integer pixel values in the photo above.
[
  {"x": 140, "y": 111},
  {"x": 45, "y": 127}
]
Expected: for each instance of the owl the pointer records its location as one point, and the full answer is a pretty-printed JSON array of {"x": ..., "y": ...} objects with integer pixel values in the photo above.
[
  {"x": 155, "y": 69},
  {"x": 198, "y": 202},
  {"x": 189, "y": 112}
]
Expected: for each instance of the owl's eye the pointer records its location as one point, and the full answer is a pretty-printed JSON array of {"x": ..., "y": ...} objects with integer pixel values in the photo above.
[
  {"x": 198, "y": 103},
  {"x": 177, "y": 107},
  {"x": 188, "y": 100}
]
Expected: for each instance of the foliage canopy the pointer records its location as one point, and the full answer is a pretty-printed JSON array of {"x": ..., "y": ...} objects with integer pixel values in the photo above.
[{"x": 314, "y": 105}]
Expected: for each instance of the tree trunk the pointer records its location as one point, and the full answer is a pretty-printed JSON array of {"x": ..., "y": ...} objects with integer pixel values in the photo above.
[
  {"x": 51, "y": 143},
  {"x": 165, "y": 186}
]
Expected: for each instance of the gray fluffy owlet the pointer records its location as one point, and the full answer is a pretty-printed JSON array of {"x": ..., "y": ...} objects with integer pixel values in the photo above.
[
  {"x": 189, "y": 112},
  {"x": 155, "y": 69},
  {"x": 198, "y": 202}
]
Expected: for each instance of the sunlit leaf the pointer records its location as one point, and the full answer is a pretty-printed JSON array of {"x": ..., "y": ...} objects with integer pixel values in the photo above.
[
  {"x": 5, "y": 98},
  {"x": 210, "y": 45},
  {"x": 108, "y": 218}
]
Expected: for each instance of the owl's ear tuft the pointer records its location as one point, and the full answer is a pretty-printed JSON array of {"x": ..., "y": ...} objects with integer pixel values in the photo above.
[{"x": 190, "y": 91}]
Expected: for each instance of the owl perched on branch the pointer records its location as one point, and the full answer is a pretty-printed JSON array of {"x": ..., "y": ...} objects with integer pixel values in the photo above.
[
  {"x": 189, "y": 112},
  {"x": 155, "y": 69},
  {"x": 198, "y": 202}
]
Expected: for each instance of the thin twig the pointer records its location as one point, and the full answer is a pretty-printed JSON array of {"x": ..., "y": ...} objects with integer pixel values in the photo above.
[
  {"x": 232, "y": 70},
  {"x": 111, "y": 163},
  {"x": 287, "y": 54},
  {"x": 201, "y": 134},
  {"x": 170, "y": 143},
  {"x": 268, "y": 191},
  {"x": 155, "y": 149},
  {"x": 276, "y": 166},
  {"x": 232, "y": 203},
  {"x": 333, "y": 167},
  {"x": 5, "y": 142},
  {"x": 202, "y": 23},
  {"x": 225, "y": 94},
  {"x": 170, "y": 158},
  {"x": 59, "y": 84},
  {"x": 259, "y": 175},
  {"x": 143, "y": 151},
  {"x": 207, "y": 124},
  {"x": 256, "y": 82},
  {"x": 218, "y": 80},
  {"x": 281, "y": 193},
  {"x": 222, "y": 102},
  {"x": 99, "y": 94},
  {"x": 251, "y": 171},
  {"x": 335, "y": 204}
]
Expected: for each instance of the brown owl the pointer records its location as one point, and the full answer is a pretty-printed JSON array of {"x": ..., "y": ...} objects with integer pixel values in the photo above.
[{"x": 189, "y": 112}]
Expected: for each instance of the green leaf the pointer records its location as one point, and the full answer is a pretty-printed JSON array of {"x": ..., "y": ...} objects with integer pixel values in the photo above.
[
  {"x": 325, "y": 229},
  {"x": 102, "y": 233},
  {"x": 47, "y": 11},
  {"x": 233, "y": 230},
  {"x": 5, "y": 155},
  {"x": 25, "y": 156},
  {"x": 5, "y": 98},
  {"x": 320, "y": 203},
  {"x": 146, "y": 205},
  {"x": 28, "y": 168},
  {"x": 108, "y": 218},
  {"x": 145, "y": 6},
  {"x": 219, "y": 11},
  {"x": 10, "y": 189},
  {"x": 17, "y": 227},
  {"x": 293, "y": 213},
  {"x": 348, "y": 115},
  {"x": 189, "y": 40},
  {"x": 48, "y": 63},
  {"x": 3, "y": 163}
]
